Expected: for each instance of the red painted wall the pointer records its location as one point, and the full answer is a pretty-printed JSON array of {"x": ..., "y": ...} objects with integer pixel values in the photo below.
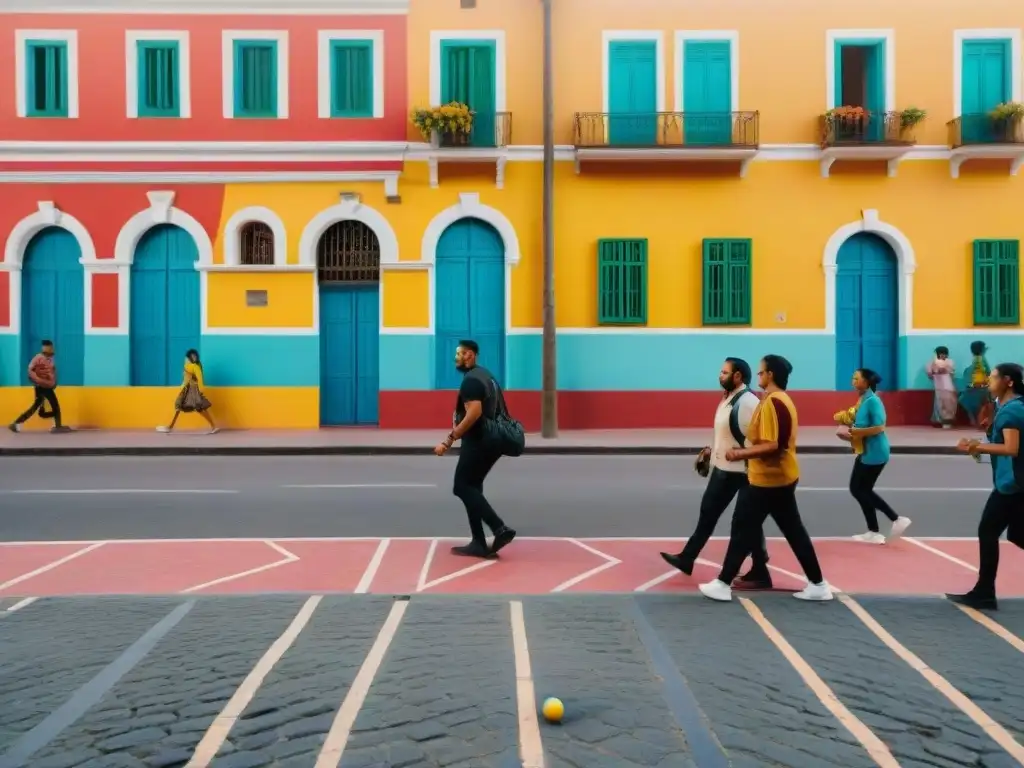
[
  {"x": 105, "y": 305},
  {"x": 5, "y": 299},
  {"x": 101, "y": 81}
]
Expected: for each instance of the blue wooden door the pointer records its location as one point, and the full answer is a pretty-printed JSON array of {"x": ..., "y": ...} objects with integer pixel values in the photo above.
[
  {"x": 985, "y": 79},
  {"x": 349, "y": 354},
  {"x": 707, "y": 93},
  {"x": 165, "y": 314},
  {"x": 632, "y": 93},
  {"x": 53, "y": 304},
  {"x": 867, "y": 310},
  {"x": 470, "y": 296}
]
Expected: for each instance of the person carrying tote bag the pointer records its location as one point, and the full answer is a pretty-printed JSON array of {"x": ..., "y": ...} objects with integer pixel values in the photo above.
[{"x": 502, "y": 433}]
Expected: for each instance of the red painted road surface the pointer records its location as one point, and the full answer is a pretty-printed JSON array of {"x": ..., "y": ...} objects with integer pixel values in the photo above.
[{"x": 915, "y": 566}]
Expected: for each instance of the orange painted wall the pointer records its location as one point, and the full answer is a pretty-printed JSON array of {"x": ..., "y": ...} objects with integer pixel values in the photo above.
[{"x": 102, "y": 109}]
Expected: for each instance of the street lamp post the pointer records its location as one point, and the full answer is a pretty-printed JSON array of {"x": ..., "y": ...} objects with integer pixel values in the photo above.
[{"x": 549, "y": 395}]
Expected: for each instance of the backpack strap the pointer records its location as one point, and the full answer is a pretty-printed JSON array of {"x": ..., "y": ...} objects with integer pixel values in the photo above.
[{"x": 734, "y": 419}]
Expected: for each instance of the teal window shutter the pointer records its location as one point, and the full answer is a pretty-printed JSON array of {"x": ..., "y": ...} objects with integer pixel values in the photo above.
[
  {"x": 159, "y": 64},
  {"x": 352, "y": 78},
  {"x": 996, "y": 282},
  {"x": 622, "y": 282},
  {"x": 255, "y": 78},
  {"x": 46, "y": 92},
  {"x": 727, "y": 281}
]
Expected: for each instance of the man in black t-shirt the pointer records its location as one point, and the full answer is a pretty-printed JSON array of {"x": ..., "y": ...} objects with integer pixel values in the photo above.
[{"x": 477, "y": 400}]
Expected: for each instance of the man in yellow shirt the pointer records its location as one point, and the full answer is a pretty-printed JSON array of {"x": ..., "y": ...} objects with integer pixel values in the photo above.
[{"x": 773, "y": 473}]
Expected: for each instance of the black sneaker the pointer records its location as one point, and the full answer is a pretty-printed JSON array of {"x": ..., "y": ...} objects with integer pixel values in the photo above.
[
  {"x": 502, "y": 538},
  {"x": 678, "y": 561},
  {"x": 753, "y": 580},
  {"x": 972, "y": 600},
  {"x": 473, "y": 549}
]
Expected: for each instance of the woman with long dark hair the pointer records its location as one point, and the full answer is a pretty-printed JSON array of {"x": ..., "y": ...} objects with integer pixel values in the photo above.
[
  {"x": 866, "y": 434},
  {"x": 191, "y": 398},
  {"x": 1004, "y": 510}
]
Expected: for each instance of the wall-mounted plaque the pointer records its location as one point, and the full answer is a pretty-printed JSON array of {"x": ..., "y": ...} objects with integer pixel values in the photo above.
[{"x": 255, "y": 298}]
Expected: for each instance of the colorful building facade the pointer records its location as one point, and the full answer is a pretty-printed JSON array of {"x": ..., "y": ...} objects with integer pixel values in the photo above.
[{"x": 244, "y": 179}]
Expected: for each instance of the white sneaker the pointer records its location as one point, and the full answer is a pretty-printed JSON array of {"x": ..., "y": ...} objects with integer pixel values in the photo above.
[
  {"x": 717, "y": 590},
  {"x": 870, "y": 538},
  {"x": 214, "y": 431},
  {"x": 163, "y": 430},
  {"x": 899, "y": 526},
  {"x": 815, "y": 592}
]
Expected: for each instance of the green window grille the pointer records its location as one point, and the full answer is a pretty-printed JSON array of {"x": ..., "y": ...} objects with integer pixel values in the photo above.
[
  {"x": 996, "y": 282},
  {"x": 726, "y": 282},
  {"x": 352, "y": 78},
  {"x": 159, "y": 94},
  {"x": 47, "y": 74},
  {"x": 255, "y": 78},
  {"x": 622, "y": 282}
]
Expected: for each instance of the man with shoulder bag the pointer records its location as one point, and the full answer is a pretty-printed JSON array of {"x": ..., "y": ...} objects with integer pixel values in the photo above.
[
  {"x": 488, "y": 432},
  {"x": 727, "y": 478}
]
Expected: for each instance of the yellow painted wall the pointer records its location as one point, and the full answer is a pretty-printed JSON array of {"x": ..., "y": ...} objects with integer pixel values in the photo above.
[
  {"x": 289, "y": 299},
  {"x": 406, "y": 299}
]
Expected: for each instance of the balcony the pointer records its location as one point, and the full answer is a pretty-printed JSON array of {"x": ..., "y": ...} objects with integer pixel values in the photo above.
[
  {"x": 666, "y": 136},
  {"x": 986, "y": 137},
  {"x": 852, "y": 133},
  {"x": 487, "y": 142}
]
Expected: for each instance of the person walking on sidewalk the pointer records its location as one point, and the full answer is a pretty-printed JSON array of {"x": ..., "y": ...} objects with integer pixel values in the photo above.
[
  {"x": 42, "y": 372},
  {"x": 773, "y": 473},
  {"x": 732, "y": 419},
  {"x": 477, "y": 400},
  {"x": 867, "y": 436},
  {"x": 1004, "y": 510},
  {"x": 191, "y": 398}
]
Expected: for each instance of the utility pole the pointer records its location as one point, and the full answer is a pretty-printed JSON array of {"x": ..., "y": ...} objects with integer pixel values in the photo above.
[{"x": 549, "y": 394}]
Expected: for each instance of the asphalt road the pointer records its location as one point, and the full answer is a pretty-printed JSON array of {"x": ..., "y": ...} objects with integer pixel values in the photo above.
[{"x": 214, "y": 497}]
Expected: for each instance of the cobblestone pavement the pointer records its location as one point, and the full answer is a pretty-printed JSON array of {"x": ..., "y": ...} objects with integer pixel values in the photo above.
[{"x": 291, "y": 681}]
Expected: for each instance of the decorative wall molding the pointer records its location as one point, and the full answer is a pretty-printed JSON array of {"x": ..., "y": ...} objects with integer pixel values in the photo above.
[
  {"x": 201, "y": 151},
  {"x": 46, "y": 215},
  {"x": 161, "y": 210},
  {"x": 233, "y": 232},
  {"x": 213, "y": 8}
]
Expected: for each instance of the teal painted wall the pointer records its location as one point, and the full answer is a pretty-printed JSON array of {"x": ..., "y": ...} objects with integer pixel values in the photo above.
[
  {"x": 107, "y": 360},
  {"x": 261, "y": 361},
  {"x": 10, "y": 360}
]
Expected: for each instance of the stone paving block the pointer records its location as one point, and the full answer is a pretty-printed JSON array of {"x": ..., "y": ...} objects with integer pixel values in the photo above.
[
  {"x": 214, "y": 647},
  {"x": 449, "y": 680},
  {"x": 293, "y": 710},
  {"x": 984, "y": 667},
  {"x": 754, "y": 700},
  {"x": 915, "y": 721},
  {"x": 1011, "y": 616},
  {"x": 48, "y": 652},
  {"x": 585, "y": 651}
]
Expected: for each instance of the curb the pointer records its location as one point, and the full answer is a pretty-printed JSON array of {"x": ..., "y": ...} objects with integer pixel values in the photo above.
[{"x": 421, "y": 450}]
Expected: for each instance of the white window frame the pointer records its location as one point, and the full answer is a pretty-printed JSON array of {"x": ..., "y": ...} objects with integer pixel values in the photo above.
[
  {"x": 961, "y": 36},
  {"x": 21, "y": 38},
  {"x": 324, "y": 70},
  {"x": 684, "y": 36},
  {"x": 497, "y": 36},
  {"x": 833, "y": 36},
  {"x": 609, "y": 36},
  {"x": 228, "y": 38},
  {"x": 132, "y": 38}
]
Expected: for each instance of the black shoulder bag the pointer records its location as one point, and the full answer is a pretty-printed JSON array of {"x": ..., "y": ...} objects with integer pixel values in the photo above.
[{"x": 501, "y": 433}]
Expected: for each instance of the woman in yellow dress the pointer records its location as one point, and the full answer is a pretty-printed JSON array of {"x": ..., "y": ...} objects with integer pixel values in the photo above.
[{"x": 191, "y": 398}]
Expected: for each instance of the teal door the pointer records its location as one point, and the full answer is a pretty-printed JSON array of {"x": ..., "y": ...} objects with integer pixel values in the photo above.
[
  {"x": 632, "y": 94},
  {"x": 867, "y": 311},
  {"x": 470, "y": 295},
  {"x": 53, "y": 304},
  {"x": 707, "y": 93},
  {"x": 165, "y": 315},
  {"x": 467, "y": 76},
  {"x": 866, "y": 88},
  {"x": 986, "y": 83},
  {"x": 349, "y": 354}
]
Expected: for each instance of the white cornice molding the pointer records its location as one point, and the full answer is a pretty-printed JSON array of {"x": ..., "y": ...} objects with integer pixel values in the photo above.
[
  {"x": 211, "y": 8},
  {"x": 200, "y": 151}
]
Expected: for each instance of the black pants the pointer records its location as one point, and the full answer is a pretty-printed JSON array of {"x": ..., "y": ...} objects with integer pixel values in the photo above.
[
  {"x": 862, "y": 487},
  {"x": 722, "y": 488},
  {"x": 1003, "y": 512},
  {"x": 754, "y": 505},
  {"x": 49, "y": 396},
  {"x": 471, "y": 471}
]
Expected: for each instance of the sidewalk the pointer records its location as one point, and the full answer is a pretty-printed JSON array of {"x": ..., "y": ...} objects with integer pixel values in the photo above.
[{"x": 365, "y": 442}]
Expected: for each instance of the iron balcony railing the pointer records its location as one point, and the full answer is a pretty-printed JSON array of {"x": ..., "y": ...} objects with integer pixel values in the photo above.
[
  {"x": 976, "y": 130},
  {"x": 882, "y": 128},
  {"x": 665, "y": 130},
  {"x": 490, "y": 129}
]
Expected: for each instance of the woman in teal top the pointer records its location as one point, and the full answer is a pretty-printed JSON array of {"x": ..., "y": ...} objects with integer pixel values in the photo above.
[
  {"x": 872, "y": 447},
  {"x": 1004, "y": 510}
]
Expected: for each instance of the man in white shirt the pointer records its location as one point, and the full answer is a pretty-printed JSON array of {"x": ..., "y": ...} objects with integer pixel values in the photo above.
[{"x": 732, "y": 418}]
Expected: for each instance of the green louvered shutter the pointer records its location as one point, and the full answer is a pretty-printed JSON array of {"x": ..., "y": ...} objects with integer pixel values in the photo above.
[{"x": 622, "y": 282}]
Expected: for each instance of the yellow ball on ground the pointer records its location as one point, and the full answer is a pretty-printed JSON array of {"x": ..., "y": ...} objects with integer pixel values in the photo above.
[{"x": 553, "y": 710}]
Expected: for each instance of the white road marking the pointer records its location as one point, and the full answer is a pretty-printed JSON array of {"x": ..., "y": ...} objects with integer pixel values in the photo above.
[
  {"x": 531, "y": 747},
  {"x": 674, "y": 572},
  {"x": 845, "y": 489},
  {"x": 23, "y": 603},
  {"x": 341, "y": 728},
  {"x": 372, "y": 568},
  {"x": 610, "y": 562},
  {"x": 944, "y": 555},
  {"x": 50, "y": 566},
  {"x": 114, "y": 491},
  {"x": 316, "y": 486},
  {"x": 286, "y": 558},
  {"x": 218, "y": 731}
]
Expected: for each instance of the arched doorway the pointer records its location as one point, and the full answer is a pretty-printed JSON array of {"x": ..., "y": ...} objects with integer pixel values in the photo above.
[
  {"x": 470, "y": 297},
  {"x": 867, "y": 310},
  {"x": 53, "y": 303},
  {"x": 165, "y": 314},
  {"x": 348, "y": 275}
]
